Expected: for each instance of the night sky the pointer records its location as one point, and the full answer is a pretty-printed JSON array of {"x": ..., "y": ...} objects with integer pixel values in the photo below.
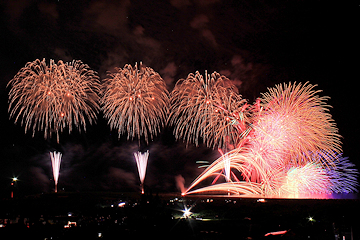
[{"x": 257, "y": 44}]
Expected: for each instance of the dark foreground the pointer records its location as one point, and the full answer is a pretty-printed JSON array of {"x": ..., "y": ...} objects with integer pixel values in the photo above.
[{"x": 129, "y": 215}]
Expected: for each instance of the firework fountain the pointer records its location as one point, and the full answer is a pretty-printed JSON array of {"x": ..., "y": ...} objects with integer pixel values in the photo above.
[
  {"x": 141, "y": 162},
  {"x": 135, "y": 101},
  {"x": 55, "y": 162}
]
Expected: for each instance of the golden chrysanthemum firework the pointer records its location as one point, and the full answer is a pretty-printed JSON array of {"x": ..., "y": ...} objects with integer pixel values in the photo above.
[
  {"x": 294, "y": 126},
  {"x": 135, "y": 100},
  {"x": 207, "y": 108},
  {"x": 53, "y": 97}
]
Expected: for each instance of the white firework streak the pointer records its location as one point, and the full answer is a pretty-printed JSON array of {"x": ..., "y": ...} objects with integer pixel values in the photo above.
[
  {"x": 141, "y": 161},
  {"x": 227, "y": 168},
  {"x": 234, "y": 159},
  {"x": 55, "y": 162}
]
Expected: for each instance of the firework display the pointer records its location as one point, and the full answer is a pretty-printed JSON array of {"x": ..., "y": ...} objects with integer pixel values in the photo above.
[
  {"x": 141, "y": 162},
  {"x": 296, "y": 124},
  {"x": 310, "y": 178},
  {"x": 52, "y": 97},
  {"x": 135, "y": 100},
  {"x": 289, "y": 148},
  {"x": 286, "y": 144},
  {"x": 343, "y": 176},
  {"x": 55, "y": 163},
  {"x": 207, "y": 108}
]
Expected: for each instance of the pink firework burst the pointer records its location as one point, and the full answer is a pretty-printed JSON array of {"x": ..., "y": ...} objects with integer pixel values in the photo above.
[{"x": 304, "y": 181}]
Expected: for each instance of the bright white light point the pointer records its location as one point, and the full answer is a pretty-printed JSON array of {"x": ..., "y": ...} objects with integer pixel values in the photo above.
[
  {"x": 311, "y": 219},
  {"x": 14, "y": 179},
  {"x": 187, "y": 212}
]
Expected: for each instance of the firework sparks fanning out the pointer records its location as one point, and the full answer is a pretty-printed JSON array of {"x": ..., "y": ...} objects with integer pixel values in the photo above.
[
  {"x": 209, "y": 108},
  {"x": 311, "y": 178},
  {"x": 236, "y": 160},
  {"x": 290, "y": 147},
  {"x": 343, "y": 176},
  {"x": 135, "y": 100},
  {"x": 296, "y": 124},
  {"x": 55, "y": 162},
  {"x": 52, "y": 97},
  {"x": 141, "y": 162}
]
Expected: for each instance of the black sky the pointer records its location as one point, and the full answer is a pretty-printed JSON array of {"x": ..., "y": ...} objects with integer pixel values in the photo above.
[{"x": 255, "y": 43}]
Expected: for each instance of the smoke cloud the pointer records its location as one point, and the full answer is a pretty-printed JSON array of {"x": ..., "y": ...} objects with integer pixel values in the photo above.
[{"x": 180, "y": 183}]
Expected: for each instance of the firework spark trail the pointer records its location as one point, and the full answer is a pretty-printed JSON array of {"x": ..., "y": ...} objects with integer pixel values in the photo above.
[
  {"x": 227, "y": 168},
  {"x": 236, "y": 158},
  {"x": 135, "y": 100},
  {"x": 55, "y": 162},
  {"x": 141, "y": 162},
  {"x": 343, "y": 176},
  {"x": 245, "y": 189},
  {"x": 207, "y": 108},
  {"x": 53, "y": 97}
]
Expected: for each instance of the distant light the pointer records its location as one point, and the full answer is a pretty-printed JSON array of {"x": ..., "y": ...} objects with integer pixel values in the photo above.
[
  {"x": 122, "y": 204},
  {"x": 187, "y": 212},
  {"x": 70, "y": 224},
  {"x": 14, "y": 179},
  {"x": 311, "y": 219}
]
